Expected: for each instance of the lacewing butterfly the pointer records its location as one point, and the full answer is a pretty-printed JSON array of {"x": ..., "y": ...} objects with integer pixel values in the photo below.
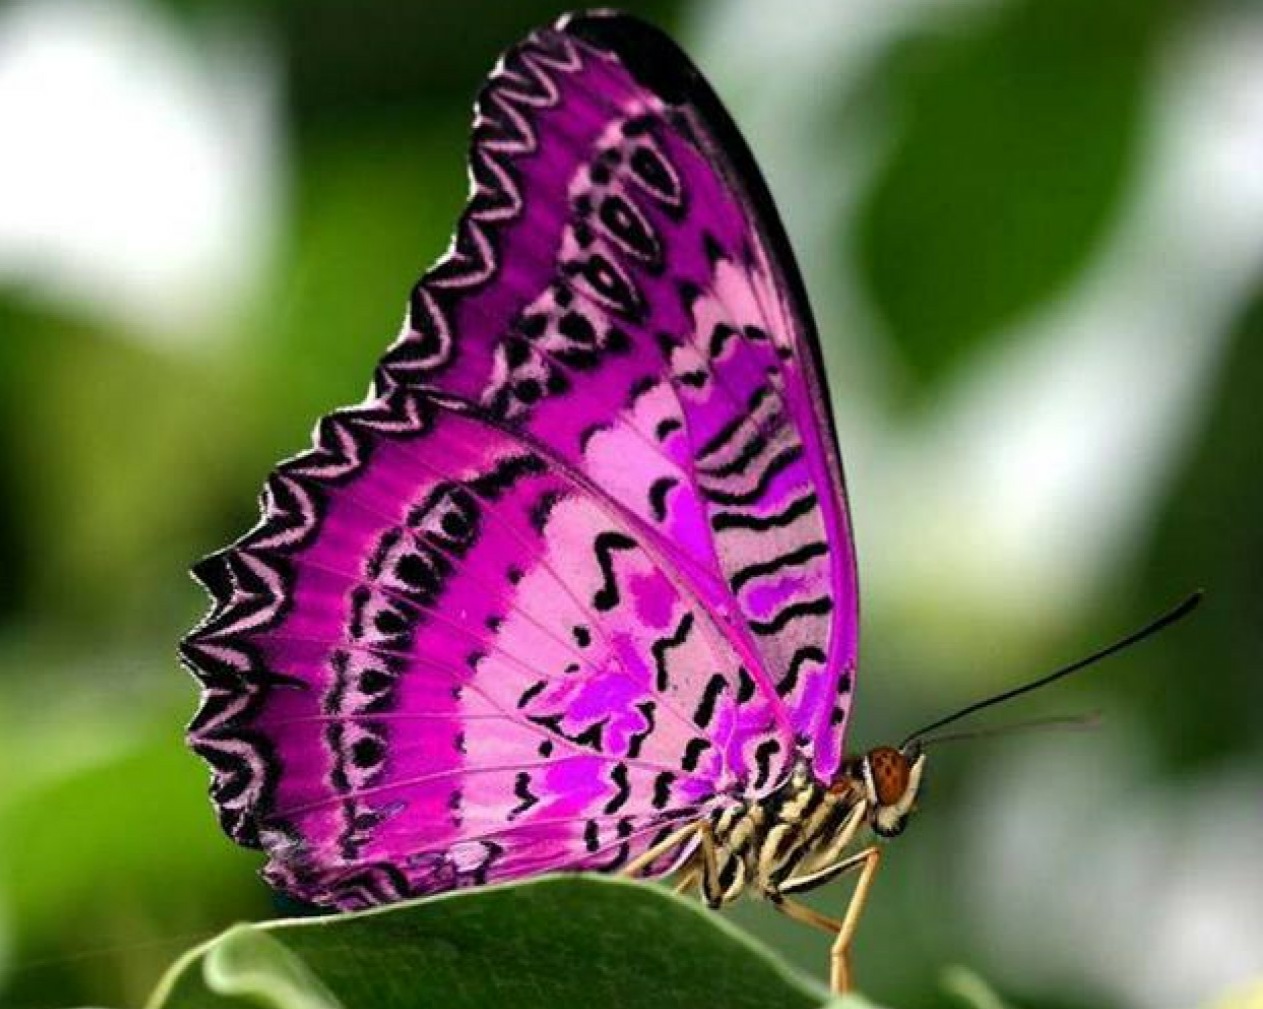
[{"x": 574, "y": 587}]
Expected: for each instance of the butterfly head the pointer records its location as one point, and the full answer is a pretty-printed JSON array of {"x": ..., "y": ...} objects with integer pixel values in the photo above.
[{"x": 889, "y": 780}]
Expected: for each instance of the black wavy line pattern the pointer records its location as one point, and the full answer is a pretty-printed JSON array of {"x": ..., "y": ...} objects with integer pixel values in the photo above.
[
  {"x": 607, "y": 596},
  {"x": 787, "y": 560},
  {"x": 503, "y": 131},
  {"x": 761, "y": 523},
  {"x": 660, "y": 647},
  {"x": 249, "y": 581},
  {"x": 811, "y": 607}
]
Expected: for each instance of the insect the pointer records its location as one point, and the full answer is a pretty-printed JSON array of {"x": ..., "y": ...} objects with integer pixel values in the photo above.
[{"x": 574, "y": 587}]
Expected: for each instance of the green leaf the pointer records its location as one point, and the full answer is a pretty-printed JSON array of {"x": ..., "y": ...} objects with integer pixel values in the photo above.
[
  {"x": 556, "y": 942},
  {"x": 970, "y": 990},
  {"x": 250, "y": 964}
]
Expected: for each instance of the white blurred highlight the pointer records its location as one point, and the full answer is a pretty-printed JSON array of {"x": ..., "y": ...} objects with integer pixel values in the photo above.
[
  {"x": 140, "y": 171},
  {"x": 1087, "y": 881}
]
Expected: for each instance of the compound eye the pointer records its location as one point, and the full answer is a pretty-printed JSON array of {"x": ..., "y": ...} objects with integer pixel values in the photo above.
[{"x": 891, "y": 772}]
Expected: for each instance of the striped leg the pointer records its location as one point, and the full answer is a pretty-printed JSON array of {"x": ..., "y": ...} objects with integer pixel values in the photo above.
[
  {"x": 826, "y": 862},
  {"x": 712, "y": 892},
  {"x": 687, "y": 878},
  {"x": 640, "y": 864}
]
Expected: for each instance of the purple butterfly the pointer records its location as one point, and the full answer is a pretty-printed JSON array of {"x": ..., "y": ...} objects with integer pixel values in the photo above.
[{"x": 574, "y": 588}]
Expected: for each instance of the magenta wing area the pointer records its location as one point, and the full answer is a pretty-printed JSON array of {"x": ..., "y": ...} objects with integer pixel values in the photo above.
[{"x": 580, "y": 567}]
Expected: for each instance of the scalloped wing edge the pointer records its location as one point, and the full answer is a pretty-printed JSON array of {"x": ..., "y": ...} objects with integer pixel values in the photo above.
[{"x": 245, "y": 579}]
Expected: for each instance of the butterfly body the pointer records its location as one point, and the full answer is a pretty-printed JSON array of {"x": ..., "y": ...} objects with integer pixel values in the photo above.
[
  {"x": 759, "y": 845},
  {"x": 800, "y": 835}
]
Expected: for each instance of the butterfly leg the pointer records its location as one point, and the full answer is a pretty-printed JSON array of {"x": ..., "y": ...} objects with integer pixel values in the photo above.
[
  {"x": 812, "y": 918},
  {"x": 712, "y": 892},
  {"x": 687, "y": 880},
  {"x": 647, "y": 858},
  {"x": 867, "y": 862}
]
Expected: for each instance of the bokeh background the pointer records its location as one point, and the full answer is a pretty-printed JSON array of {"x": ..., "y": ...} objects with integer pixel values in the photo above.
[{"x": 1033, "y": 233}]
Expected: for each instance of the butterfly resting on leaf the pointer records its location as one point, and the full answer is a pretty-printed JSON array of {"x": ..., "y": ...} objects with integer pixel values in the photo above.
[{"x": 573, "y": 588}]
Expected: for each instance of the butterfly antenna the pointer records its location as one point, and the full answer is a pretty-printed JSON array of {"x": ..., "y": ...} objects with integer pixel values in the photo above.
[
  {"x": 1178, "y": 612},
  {"x": 1089, "y": 720}
]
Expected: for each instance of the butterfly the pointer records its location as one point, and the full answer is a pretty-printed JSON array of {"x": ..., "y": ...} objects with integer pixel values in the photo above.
[{"x": 574, "y": 588}]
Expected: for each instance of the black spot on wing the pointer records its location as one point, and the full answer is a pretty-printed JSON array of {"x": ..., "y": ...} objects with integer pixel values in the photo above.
[
  {"x": 689, "y": 294},
  {"x": 637, "y": 740},
  {"x": 522, "y": 790},
  {"x": 807, "y": 653},
  {"x": 749, "y": 452},
  {"x": 622, "y": 853},
  {"x": 763, "y": 754},
  {"x": 607, "y": 596},
  {"x": 506, "y": 472},
  {"x": 667, "y": 427},
  {"x": 618, "y": 776},
  {"x": 608, "y": 284},
  {"x": 642, "y": 385},
  {"x": 628, "y": 227},
  {"x": 661, "y": 646},
  {"x": 590, "y": 737},
  {"x": 387, "y": 543},
  {"x": 712, "y": 248},
  {"x": 693, "y": 751},
  {"x": 658, "y": 496},
  {"x": 542, "y": 509},
  {"x": 662, "y": 789},
  {"x": 590, "y": 432},
  {"x": 710, "y": 698},
  {"x": 719, "y": 337},
  {"x": 651, "y": 170},
  {"x": 531, "y": 692}
]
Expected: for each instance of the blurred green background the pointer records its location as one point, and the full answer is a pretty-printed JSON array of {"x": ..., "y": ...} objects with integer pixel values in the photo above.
[{"x": 1033, "y": 233}]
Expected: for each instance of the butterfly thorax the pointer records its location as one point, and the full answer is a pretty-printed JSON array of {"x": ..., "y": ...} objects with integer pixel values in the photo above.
[{"x": 790, "y": 839}]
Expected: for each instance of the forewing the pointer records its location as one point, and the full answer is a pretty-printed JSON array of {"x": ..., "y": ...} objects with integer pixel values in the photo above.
[{"x": 621, "y": 287}]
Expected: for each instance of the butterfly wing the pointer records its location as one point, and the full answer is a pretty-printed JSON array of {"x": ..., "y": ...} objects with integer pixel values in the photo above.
[
  {"x": 443, "y": 659},
  {"x": 623, "y": 288},
  {"x": 581, "y": 562}
]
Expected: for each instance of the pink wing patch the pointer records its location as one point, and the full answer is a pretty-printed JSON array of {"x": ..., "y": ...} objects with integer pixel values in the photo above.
[{"x": 581, "y": 567}]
